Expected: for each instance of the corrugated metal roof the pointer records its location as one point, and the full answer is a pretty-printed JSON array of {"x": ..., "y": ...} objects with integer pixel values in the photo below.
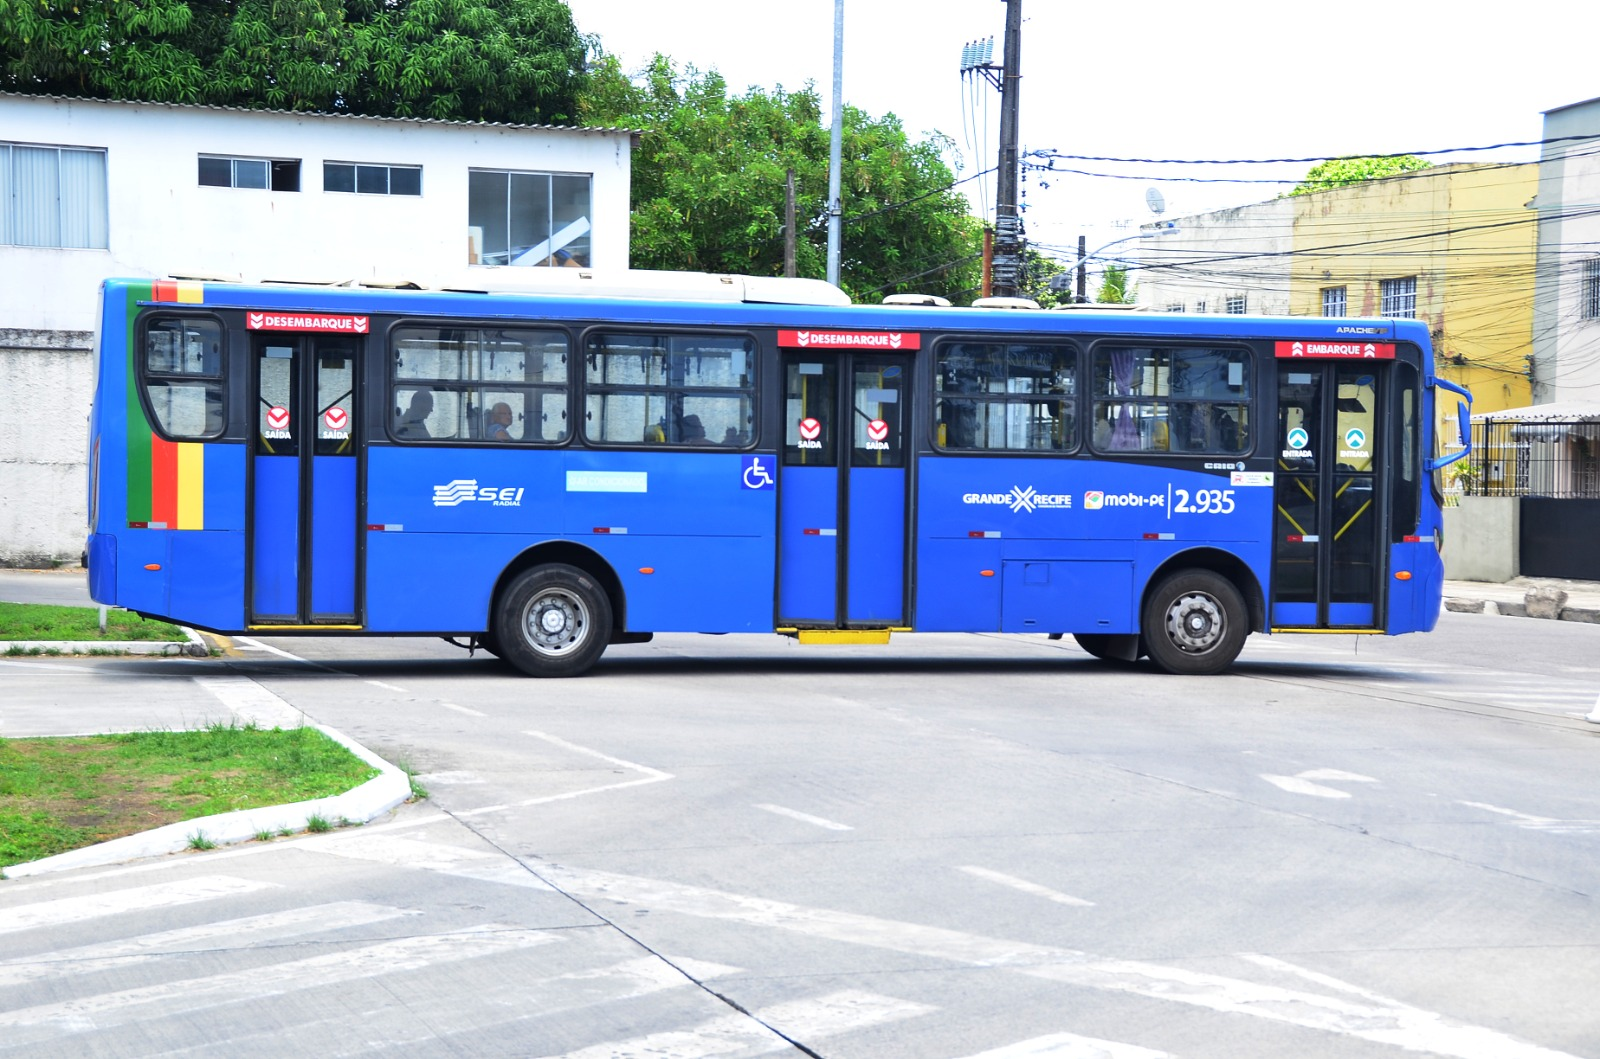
[
  {"x": 322, "y": 114},
  {"x": 1562, "y": 412}
]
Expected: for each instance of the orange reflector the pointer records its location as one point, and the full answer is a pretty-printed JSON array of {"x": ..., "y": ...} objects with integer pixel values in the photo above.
[
  {"x": 1402, "y": 575},
  {"x": 152, "y": 566},
  {"x": 986, "y": 573},
  {"x": 647, "y": 569}
]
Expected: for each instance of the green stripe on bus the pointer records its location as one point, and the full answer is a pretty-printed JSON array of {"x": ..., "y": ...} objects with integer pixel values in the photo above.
[{"x": 139, "y": 433}]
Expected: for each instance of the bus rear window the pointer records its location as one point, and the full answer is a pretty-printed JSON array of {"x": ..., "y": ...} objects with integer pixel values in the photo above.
[{"x": 182, "y": 370}]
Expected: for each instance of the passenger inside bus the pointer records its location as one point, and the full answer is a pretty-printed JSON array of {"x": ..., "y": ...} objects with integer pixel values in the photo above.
[
  {"x": 498, "y": 426},
  {"x": 692, "y": 431},
  {"x": 414, "y": 423}
]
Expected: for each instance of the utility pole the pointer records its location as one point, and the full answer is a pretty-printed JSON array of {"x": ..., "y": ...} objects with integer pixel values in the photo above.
[
  {"x": 788, "y": 227},
  {"x": 1008, "y": 240},
  {"x": 835, "y": 206}
]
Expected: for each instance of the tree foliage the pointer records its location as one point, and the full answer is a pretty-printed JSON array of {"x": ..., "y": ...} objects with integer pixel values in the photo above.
[
  {"x": 479, "y": 60},
  {"x": 1340, "y": 172},
  {"x": 709, "y": 185},
  {"x": 1115, "y": 288}
]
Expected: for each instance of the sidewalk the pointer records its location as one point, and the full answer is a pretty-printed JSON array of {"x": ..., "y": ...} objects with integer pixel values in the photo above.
[{"x": 1527, "y": 597}]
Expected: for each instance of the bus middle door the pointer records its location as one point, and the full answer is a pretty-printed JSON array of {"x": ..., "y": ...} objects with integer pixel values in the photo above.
[
  {"x": 842, "y": 492},
  {"x": 303, "y": 491}
]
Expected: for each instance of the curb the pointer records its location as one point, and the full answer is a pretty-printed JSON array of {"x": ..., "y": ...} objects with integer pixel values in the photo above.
[
  {"x": 193, "y": 646},
  {"x": 1460, "y": 605},
  {"x": 359, "y": 806}
]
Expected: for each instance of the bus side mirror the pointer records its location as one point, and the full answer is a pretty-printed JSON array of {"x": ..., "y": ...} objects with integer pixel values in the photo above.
[{"x": 1464, "y": 423}]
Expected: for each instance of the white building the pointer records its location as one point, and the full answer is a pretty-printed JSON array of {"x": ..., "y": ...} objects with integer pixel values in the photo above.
[
  {"x": 1566, "y": 302},
  {"x": 91, "y": 189},
  {"x": 1229, "y": 261}
]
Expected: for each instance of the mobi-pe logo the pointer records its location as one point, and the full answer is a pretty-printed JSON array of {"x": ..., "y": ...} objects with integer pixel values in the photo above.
[
  {"x": 1094, "y": 500},
  {"x": 462, "y": 490}
]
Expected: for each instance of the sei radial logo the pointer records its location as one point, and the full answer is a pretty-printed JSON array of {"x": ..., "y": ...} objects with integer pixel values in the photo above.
[{"x": 464, "y": 490}]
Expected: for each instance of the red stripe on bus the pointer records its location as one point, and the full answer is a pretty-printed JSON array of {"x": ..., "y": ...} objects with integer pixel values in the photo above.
[{"x": 163, "y": 481}]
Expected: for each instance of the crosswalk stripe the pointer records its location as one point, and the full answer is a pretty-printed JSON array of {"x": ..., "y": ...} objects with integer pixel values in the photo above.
[
  {"x": 250, "y": 930},
  {"x": 65, "y": 910},
  {"x": 807, "y": 1020},
  {"x": 256, "y": 983},
  {"x": 1070, "y": 1046},
  {"x": 482, "y": 865}
]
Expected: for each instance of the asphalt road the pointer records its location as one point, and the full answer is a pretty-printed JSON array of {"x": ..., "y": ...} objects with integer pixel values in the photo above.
[{"x": 955, "y": 846}]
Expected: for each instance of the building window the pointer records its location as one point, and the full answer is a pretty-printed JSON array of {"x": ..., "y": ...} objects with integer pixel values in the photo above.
[
  {"x": 528, "y": 218},
  {"x": 1199, "y": 305},
  {"x": 1591, "y": 289},
  {"x": 480, "y": 384},
  {"x": 1333, "y": 301},
  {"x": 1006, "y": 396},
  {"x": 1400, "y": 296},
  {"x": 276, "y": 174},
  {"x": 359, "y": 178},
  {"x": 1236, "y": 304},
  {"x": 1175, "y": 307},
  {"x": 53, "y": 196}
]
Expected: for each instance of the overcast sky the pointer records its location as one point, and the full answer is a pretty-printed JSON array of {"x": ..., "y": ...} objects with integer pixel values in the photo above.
[{"x": 1162, "y": 79}]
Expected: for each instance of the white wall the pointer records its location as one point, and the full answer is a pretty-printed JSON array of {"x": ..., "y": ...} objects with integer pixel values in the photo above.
[
  {"x": 162, "y": 222},
  {"x": 1566, "y": 347},
  {"x": 1244, "y": 250}
]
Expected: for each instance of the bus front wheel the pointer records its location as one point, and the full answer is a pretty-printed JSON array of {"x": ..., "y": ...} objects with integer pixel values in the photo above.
[
  {"x": 1194, "y": 623},
  {"x": 553, "y": 621}
]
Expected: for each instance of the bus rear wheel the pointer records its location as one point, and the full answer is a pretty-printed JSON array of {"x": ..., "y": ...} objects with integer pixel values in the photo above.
[
  {"x": 1194, "y": 623},
  {"x": 553, "y": 621}
]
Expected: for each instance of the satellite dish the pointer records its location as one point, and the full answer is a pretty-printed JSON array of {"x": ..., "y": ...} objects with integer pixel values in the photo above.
[{"x": 1153, "y": 199}]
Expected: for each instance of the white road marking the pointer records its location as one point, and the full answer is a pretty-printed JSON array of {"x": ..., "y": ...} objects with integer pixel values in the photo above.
[
  {"x": 1070, "y": 1046},
  {"x": 805, "y": 818},
  {"x": 253, "y": 703},
  {"x": 806, "y": 1020},
  {"x": 462, "y": 709},
  {"x": 1300, "y": 783},
  {"x": 483, "y": 865},
  {"x": 64, "y": 910},
  {"x": 1026, "y": 887},
  {"x": 386, "y": 687},
  {"x": 1397, "y": 1025},
  {"x": 251, "y": 644},
  {"x": 648, "y": 776},
  {"x": 455, "y": 778},
  {"x": 1539, "y": 823},
  {"x": 49, "y": 1021},
  {"x": 229, "y": 933}
]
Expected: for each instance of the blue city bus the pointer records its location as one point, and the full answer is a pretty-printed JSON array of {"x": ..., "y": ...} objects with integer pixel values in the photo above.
[{"x": 541, "y": 474}]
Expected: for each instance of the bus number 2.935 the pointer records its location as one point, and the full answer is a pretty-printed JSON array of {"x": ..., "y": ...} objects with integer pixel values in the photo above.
[{"x": 1205, "y": 502}]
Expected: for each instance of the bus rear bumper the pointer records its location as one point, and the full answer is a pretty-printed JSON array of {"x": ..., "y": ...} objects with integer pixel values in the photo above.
[{"x": 101, "y": 558}]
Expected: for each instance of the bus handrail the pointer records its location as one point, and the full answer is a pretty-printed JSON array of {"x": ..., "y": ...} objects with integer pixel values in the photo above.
[{"x": 1463, "y": 423}]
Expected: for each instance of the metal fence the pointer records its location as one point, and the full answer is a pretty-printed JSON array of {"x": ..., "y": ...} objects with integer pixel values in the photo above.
[{"x": 1551, "y": 459}]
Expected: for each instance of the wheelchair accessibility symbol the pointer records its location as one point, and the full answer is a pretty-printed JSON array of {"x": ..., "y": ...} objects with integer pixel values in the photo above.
[{"x": 758, "y": 473}]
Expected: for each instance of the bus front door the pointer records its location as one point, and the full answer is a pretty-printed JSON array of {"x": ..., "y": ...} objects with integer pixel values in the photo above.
[
  {"x": 842, "y": 493},
  {"x": 1327, "y": 544},
  {"x": 303, "y": 482}
]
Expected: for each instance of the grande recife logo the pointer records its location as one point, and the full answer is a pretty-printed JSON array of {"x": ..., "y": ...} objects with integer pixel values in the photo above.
[{"x": 1022, "y": 499}]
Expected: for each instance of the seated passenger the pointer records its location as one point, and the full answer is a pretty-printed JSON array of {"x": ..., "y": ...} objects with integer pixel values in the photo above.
[
  {"x": 413, "y": 424},
  {"x": 693, "y": 432},
  {"x": 499, "y": 426}
]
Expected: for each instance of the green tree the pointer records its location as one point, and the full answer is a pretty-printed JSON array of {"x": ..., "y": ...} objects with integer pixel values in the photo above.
[
  {"x": 1037, "y": 272},
  {"x": 1339, "y": 172},
  {"x": 709, "y": 184},
  {"x": 1115, "y": 288},
  {"x": 489, "y": 60}
]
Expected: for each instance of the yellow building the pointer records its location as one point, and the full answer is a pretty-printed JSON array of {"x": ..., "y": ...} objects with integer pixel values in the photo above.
[{"x": 1453, "y": 245}]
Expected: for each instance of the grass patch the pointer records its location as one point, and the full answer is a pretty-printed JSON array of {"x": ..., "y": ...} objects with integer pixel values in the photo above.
[
  {"x": 62, "y": 794},
  {"x": 44, "y": 621}
]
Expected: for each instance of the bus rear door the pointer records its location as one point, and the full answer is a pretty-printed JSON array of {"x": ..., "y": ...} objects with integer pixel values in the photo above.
[
  {"x": 304, "y": 481},
  {"x": 842, "y": 492},
  {"x": 1329, "y": 486}
]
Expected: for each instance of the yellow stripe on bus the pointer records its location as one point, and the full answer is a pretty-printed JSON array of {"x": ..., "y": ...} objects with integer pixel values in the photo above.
[{"x": 191, "y": 487}]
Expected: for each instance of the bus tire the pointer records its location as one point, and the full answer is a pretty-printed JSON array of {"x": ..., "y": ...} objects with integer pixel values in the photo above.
[
  {"x": 1194, "y": 623},
  {"x": 553, "y": 621}
]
